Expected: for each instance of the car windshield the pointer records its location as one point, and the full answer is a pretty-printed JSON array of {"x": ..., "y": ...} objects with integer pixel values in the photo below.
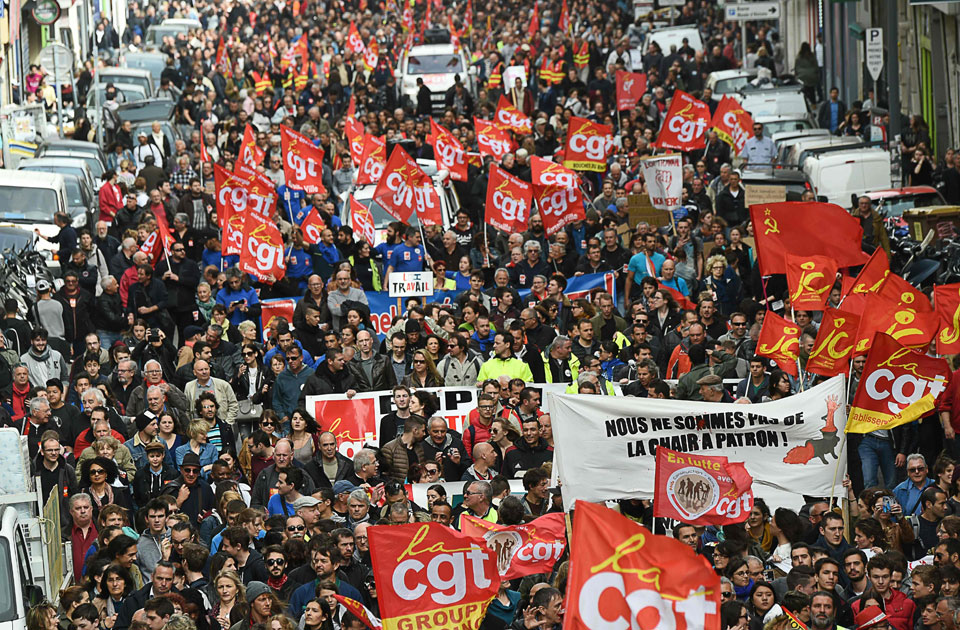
[
  {"x": 74, "y": 196},
  {"x": 8, "y": 602},
  {"x": 728, "y": 86},
  {"x": 26, "y": 205},
  {"x": 154, "y": 63},
  {"x": 896, "y": 206},
  {"x": 147, "y": 110},
  {"x": 776, "y": 126},
  {"x": 155, "y": 34},
  {"x": 140, "y": 81},
  {"x": 130, "y": 95},
  {"x": 433, "y": 64},
  {"x": 54, "y": 168},
  {"x": 92, "y": 160}
]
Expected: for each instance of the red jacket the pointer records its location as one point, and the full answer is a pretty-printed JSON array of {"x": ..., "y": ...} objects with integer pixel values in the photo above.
[
  {"x": 899, "y": 608},
  {"x": 110, "y": 201}
]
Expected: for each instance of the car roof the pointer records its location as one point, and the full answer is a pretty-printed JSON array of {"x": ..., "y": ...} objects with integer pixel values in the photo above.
[
  {"x": 765, "y": 118},
  {"x": 31, "y": 179},
  {"x": 140, "y": 72},
  {"x": 886, "y": 193},
  {"x": 432, "y": 49},
  {"x": 54, "y": 160},
  {"x": 720, "y": 75},
  {"x": 180, "y": 21},
  {"x": 127, "y": 107},
  {"x": 780, "y": 175},
  {"x": 77, "y": 144},
  {"x": 753, "y": 89}
]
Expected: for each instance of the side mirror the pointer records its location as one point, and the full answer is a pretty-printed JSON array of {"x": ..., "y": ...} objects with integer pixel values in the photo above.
[{"x": 821, "y": 198}]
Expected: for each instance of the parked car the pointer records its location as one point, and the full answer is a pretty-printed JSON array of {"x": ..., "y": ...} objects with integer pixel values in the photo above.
[
  {"x": 127, "y": 76},
  {"x": 89, "y": 152},
  {"x": 152, "y": 62},
  {"x": 62, "y": 165}
]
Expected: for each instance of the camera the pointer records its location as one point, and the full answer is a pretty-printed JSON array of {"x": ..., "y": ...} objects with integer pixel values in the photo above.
[{"x": 154, "y": 334}]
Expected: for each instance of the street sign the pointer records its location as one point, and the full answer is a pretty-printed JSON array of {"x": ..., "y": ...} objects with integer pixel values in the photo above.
[
  {"x": 57, "y": 59},
  {"x": 752, "y": 11},
  {"x": 874, "y": 51},
  {"x": 410, "y": 283}
]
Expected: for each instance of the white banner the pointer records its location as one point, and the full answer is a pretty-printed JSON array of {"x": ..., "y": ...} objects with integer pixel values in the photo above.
[
  {"x": 605, "y": 445},
  {"x": 664, "y": 177}
]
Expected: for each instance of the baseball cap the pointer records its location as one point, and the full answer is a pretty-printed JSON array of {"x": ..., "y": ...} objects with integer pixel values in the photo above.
[
  {"x": 343, "y": 487},
  {"x": 305, "y": 501},
  {"x": 43, "y": 286},
  {"x": 869, "y": 617}
]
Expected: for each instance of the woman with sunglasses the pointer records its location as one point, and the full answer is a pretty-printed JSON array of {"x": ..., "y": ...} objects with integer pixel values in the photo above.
[
  {"x": 423, "y": 372},
  {"x": 269, "y": 424},
  {"x": 97, "y": 476},
  {"x": 253, "y": 381}
]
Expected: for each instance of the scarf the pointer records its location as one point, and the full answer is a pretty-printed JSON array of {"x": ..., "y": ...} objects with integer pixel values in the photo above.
[
  {"x": 276, "y": 583},
  {"x": 108, "y": 497},
  {"x": 743, "y": 592}
]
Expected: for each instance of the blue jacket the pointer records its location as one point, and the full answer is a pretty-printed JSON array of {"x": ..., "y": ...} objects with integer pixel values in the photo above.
[
  {"x": 306, "y": 592},
  {"x": 286, "y": 391}
]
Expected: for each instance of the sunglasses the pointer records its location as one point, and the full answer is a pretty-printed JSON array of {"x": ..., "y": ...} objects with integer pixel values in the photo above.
[
  {"x": 97, "y": 471},
  {"x": 419, "y": 361},
  {"x": 267, "y": 423},
  {"x": 249, "y": 354},
  {"x": 190, "y": 470},
  {"x": 273, "y": 562},
  {"x": 295, "y": 528}
]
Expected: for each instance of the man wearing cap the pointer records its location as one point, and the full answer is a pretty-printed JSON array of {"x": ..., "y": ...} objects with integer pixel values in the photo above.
[
  {"x": 146, "y": 149},
  {"x": 307, "y": 508},
  {"x": 152, "y": 477},
  {"x": 872, "y": 618},
  {"x": 712, "y": 391},
  {"x": 341, "y": 495},
  {"x": 146, "y": 423},
  {"x": 193, "y": 495}
]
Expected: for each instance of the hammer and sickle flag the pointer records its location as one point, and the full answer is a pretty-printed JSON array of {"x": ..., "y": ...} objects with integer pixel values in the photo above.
[
  {"x": 809, "y": 279},
  {"x": 805, "y": 229}
]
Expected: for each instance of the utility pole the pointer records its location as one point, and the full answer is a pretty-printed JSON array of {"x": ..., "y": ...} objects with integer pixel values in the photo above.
[{"x": 893, "y": 69}]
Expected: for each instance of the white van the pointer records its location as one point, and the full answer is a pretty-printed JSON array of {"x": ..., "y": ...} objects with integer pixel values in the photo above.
[
  {"x": 837, "y": 174},
  {"x": 794, "y": 156},
  {"x": 438, "y": 65},
  {"x": 787, "y": 100},
  {"x": 674, "y": 36},
  {"x": 29, "y": 200}
]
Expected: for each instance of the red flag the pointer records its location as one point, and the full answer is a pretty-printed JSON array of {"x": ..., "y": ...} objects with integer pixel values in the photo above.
[
  {"x": 564, "y": 22},
  {"x": 620, "y": 571},
  {"x": 262, "y": 192},
  {"x": 223, "y": 59},
  {"x": 362, "y": 221},
  {"x": 277, "y": 307},
  {"x": 734, "y": 124},
  {"x": 682, "y": 301},
  {"x": 312, "y": 226},
  {"x": 405, "y": 189},
  {"x": 896, "y": 289},
  {"x": 354, "y": 41},
  {"x": 685, "y": 125},
  {"x": 898, "y": 385},
  {"x": 152, "y": 248},
  {"x": 534, "y": 26},
  {"x": 871, "y": 277},
  {"x": 468, "y": 17},
  {"x": 798, "y": 227},
  {"x": 302, "y": 162},
  {"x": 163, "y": 228},
  {"x": 509, "y": 200},
  {"x": 492, "y": 140},
  {"x": 262, "y": 253},
  {"x": 946, "y": 298},
  {"x": 902, "y": 319},
  {"x": 588, "y": 145},
  {"x": 204, "y": 157},
  {"x": 250, "y": 153},
  {"x": 512, "y": 119},
  {"x": 810, "y": 279},
  {"x": 435, "y": 574},
  {"x": 355, "y": 136},
  {"x": 521, "y": 550},
  {"x": 371, "y": 55},
  {"x": 834, "y": 345},
  {"x": 780, "y": 340},
  {"x": 373, "y": 160},
  {"x": 448, "y": 151},
  {"x": 682, "y": 482},
  {"x": 231, "y": 203},
  {"x": 631, "y": 87},
  {"x": 361, "y": 612},
  {"x": 558, "y": 194},
  {"x": 352, "y": 106}
]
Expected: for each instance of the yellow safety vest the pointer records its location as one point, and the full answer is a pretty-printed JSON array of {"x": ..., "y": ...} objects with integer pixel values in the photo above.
[
  {"x": 261, "y": 82},
  {"x": 581, "y": 57},
  {"x": 496, "y": 77}
]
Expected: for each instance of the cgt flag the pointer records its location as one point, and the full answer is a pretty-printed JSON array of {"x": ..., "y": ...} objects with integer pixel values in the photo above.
[
  {"x": 521, "y": 550},
  {"x": 405, "y": 189},
  {"x": 733, "y": 124},
  {"x": 558, "y": 194},
  {"x": 588, "y": 145},
  {"x": 701, "y": 489},
  {"x": 429, "y": 575},
  {"x": 809, "y": 280},
  {"x": 362, "y": 221},
  {"x": 907, "y": 318},
  {"x": 509, "y": 200},
  {"x": 621, "y": 573},
  {"x": 354, "y": 132},
  {"x": 797, "y": 227},
  {"x": 685, "y": 125},
  {"x": 262, "y": 252},
  {"x": 231, "y": 199},
  {"x": 946, "y": 299},
  {"x": 361, "y": 612},
  {"x": 372, "y": 160},
  {"x": 492, "y": 140},
  {"x": 630, "y": 89},
  {"x": 779, "y": 340},
  {"x": 898, "y": 385},
  {"x": 302, "y": 162},
  {"x": 834, "y": 345},
  {"x": 512, "y": 119},
  {"x": 250, "y": 153},
  {"x": 449, "y": 152}
]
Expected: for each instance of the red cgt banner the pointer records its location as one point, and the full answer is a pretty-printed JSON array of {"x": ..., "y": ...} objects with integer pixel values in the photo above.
[
  {"x": 588, "y": 145},
  {"x": 262, "y": 252},
  {"x": 733, "y": 124},
  {"x": 372, "y": 160},
  {"x": 701, "y": 489},
  {"x": 521, "y": 550},
  {"x": 449, "y": 152},
  {"x": 622, "y": 575},
  {"x": 630, "y": 89},
  {"x": 512, "y": 119},
  {"x": 685, "y": 125},
  {"x": 405, "y": 189},
  {"x": 354, "y": 133},
  {"x": 231, "y": 203},
  {"x": 302, "y": 162},
  {"x": 509, "y": 200},
  {"x": 558, "y": 194},
  {"x": 431, "y": 576},
  {"x": 492, "y": 140}
]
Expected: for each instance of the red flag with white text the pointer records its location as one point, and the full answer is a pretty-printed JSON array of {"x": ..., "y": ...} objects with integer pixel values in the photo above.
[
  {"x": 302, "y": 162},
  {"x": 525, "y": 549},
  {"x": 509, "y": 200},
  {"x": 701, "y": 489},
  {"x": 512, "y": 119},
  {"x": 250, "y": 153},
  {"x": 558, "y": 194},
  {"x": 734, "y": 124},
  {"x": 405, "y": 190},
  {"x": 373, "y": 160},
  {"x": 448, "y": 151},
  {"x": 262, "y": 255},
  {"x": 685, "y": 124},
  {"x": 588, "y": 145},
  {"x": 362, "y": 221},
  {"x": 492, "y": 140},
  {"x": 631, "y": 87},
  {"x": 312, "y": 226}
]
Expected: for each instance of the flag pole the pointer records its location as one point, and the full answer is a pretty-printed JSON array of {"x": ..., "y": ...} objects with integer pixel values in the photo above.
[{"x": 793, "y": 316}]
